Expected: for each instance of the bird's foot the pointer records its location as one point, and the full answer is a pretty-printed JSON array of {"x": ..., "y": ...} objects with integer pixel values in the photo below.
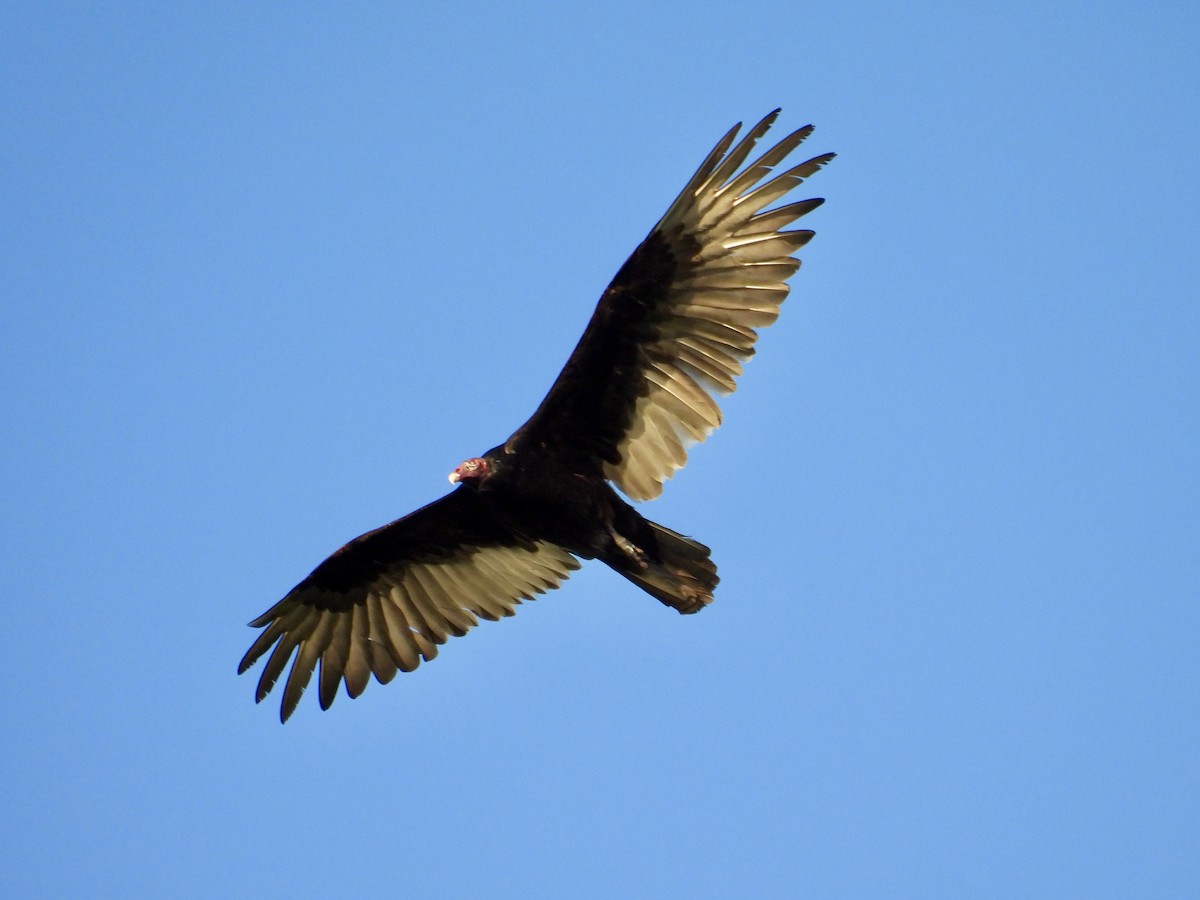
[{"x": 630, "y": 549}]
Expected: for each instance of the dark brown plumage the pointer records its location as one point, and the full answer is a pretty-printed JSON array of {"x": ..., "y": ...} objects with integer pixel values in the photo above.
[{"x": 671, "y": 330}]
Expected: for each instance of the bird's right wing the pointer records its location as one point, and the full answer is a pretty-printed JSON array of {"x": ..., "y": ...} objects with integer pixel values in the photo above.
[
  {"x": 384, "y": 602},
  {"x": 681, "y": 316}
]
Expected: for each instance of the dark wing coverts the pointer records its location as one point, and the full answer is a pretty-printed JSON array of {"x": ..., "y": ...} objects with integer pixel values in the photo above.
[
  {"x": 383, "y": 602},
  {"x": 679, "y": 319}
]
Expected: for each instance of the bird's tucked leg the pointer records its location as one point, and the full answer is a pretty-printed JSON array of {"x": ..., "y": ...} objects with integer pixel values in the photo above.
[{"x": 629, "y": 548}]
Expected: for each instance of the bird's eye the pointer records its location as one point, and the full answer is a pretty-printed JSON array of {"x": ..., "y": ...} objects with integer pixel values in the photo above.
[{"x": 472, "y": 465}]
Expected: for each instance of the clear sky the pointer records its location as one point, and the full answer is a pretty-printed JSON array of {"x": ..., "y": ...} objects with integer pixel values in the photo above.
[{"x": 269, "y": 271}]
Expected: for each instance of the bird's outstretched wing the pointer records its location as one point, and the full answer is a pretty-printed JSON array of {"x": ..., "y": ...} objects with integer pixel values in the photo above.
[
  {"x": 679, "y": 319},
  {"x": 387, "y": 599}
]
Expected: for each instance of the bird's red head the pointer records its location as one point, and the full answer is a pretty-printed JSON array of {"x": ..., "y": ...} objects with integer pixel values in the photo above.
[{"x": 472, "y": 470}]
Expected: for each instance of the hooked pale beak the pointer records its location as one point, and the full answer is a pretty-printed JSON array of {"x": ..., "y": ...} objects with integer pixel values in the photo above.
[{"x": 454, "y": 477}]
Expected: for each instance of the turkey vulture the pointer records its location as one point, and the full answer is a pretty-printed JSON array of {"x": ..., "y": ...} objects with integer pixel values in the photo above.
[{"x": 672, "y": 329}]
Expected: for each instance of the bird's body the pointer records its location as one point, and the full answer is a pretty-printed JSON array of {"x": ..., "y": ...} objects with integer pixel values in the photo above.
[
  {"x": 672, "y": 329},
  {"x": 541, "y": 496}
]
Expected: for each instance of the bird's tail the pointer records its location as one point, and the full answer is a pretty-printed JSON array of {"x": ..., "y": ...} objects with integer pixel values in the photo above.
[{"x": 677, "y": 572}]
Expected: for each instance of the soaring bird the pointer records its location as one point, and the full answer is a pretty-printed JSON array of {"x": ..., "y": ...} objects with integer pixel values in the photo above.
[{"x": 671, "y": 331}]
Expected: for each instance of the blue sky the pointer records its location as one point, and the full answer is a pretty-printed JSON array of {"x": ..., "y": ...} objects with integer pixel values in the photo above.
[{"x": 270, "y": 272}]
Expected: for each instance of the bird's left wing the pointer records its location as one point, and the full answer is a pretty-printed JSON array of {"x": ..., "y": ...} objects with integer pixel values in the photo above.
[
  {"x": 679, "y": 319},
  {"x": 387, "y": 599}
]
